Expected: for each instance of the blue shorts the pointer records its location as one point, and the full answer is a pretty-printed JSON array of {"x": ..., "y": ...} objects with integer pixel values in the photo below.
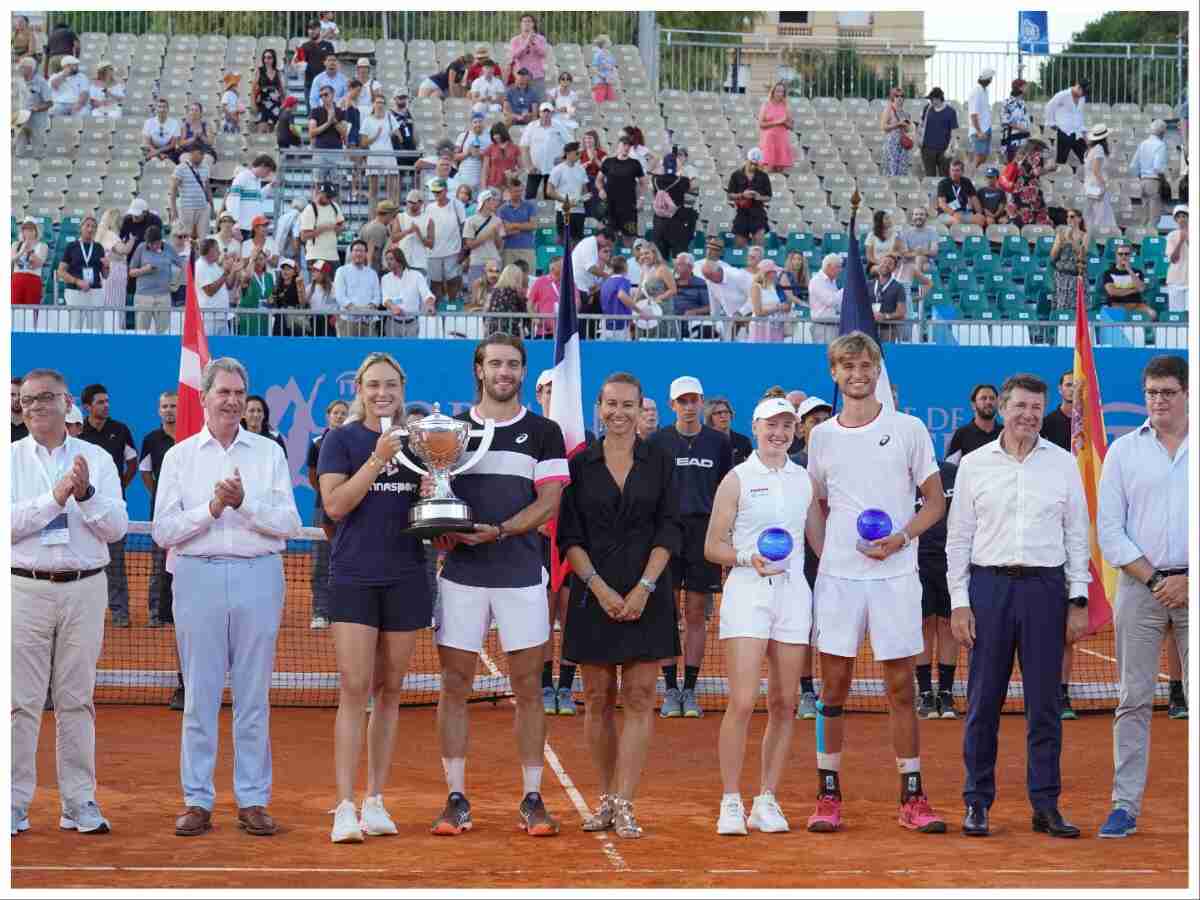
[
  {"x": 983, "y": 145},
  {"x": 404, "y": 606}
]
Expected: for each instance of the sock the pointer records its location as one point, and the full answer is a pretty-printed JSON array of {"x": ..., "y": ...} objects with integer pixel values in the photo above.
[
  {"x": 925, "y": 679},
  {"x": 910, "y": 780},
  {"x": 807, "y": 686},
  {"x": 566, "y": 675},
  {"x": 548, "y": 674},
  {"x": 671, "y": 677},
  {"x": 827, "y": 780},
  {"x": 946, "y": 678},
  {"x": 456, "y": 774},
  {"x": 724, "y": 797},
  {"x": 1177, "y": 696},
  {"x": 179, "y": 675},
  {"x": 531, "y": 778},
  {"x": 1064, "y": 691},
  {"x": 690, "y": 674}
]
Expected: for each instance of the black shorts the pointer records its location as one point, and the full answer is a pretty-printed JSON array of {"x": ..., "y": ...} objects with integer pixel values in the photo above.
[
  {"x": 935, "y": 594},
  {"x": 623, "y": 221},
  {"x": 402, "y": 606},
  {"x": 749, "y": 222},
  {"x": 690, "y": 570}
]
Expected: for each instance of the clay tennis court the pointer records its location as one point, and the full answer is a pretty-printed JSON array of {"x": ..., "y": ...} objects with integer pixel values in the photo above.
[{"x": 138, "y": 770}]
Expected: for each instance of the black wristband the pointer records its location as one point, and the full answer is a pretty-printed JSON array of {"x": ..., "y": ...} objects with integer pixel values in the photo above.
[{"x": 1078, "y": 602}]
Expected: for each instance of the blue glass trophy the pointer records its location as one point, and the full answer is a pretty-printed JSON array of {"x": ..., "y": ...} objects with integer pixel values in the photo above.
[{"x": 873, "y": 525}]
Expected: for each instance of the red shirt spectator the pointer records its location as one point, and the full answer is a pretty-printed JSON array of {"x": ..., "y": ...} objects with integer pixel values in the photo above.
[{"x": 501, "y": 158}]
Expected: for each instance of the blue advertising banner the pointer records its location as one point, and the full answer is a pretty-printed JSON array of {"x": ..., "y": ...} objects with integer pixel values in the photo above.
[
  {"x": 299, "y": 377},
  {"x": 1033, "y": 32}
]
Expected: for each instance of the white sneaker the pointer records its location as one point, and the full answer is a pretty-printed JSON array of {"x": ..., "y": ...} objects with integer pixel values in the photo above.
[
  {"x": 375, "y": 819},
  {"x": 766, "y": 816},
  {"x": 733, "y": 817},
  {"x": 346, "y": 829}
]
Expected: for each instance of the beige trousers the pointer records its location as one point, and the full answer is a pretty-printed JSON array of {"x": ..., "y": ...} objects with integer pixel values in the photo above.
[{"x": 64, "y": 622}]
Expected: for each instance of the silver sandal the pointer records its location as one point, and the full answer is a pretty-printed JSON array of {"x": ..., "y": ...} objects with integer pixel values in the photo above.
[
  {"x": 602, "y": 818},
  {"x": 624, "y": 823}
]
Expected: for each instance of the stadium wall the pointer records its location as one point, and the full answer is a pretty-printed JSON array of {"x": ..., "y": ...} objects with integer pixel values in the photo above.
[{"x": 299, "y": 377}]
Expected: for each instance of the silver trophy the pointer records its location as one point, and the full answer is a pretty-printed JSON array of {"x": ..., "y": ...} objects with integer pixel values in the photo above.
[{"x": 440, "y": 442}]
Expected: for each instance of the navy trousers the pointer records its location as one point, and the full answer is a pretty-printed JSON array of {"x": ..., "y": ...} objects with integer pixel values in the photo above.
[{"x": 1027, "y": 616}]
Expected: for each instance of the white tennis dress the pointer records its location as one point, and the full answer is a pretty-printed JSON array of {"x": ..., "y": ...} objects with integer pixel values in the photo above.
[{"x": 778, "y": 608}]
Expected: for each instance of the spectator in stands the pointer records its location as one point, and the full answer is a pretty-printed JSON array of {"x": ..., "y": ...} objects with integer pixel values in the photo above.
[
  {"x": 956, "y": 198},
  {"x": 728, "y": 286},
  {"x": 749, "y": 191},
  {"x": 518, "y": 215},
  {"x": 618, "y": 297},
  {"x": 483, "y": 287},
  {"x": 508, "y": 297},
  {"x": 445, "y": 267},
  {"x": 673, "y": 232},
  {"x": 331, "y": 77},
  {"x": 1149, "y": 166},
  {"x": 370, "y": 87},
  {"x": 793, "y": 280},
  {"x": 412, "y": 232},
  {"x": 250, "y": 194},
  {"x": 767, "y": 307},
  {"x": 29, "y": 254},
  {"x": 406, "y": 295},
  {"x": 1014, "y": 120},
  {"x": 320, "y": 296},
  {"x": 403, "y": 129},
  {"x": 257, "y": 420},
  {"x": 1125, "y": 285},
  {"x": 1098, "y": 210},
  {"x": 267, "y": 92},
  {"x": 189, "y": 202},
  {"x": 260, "y": 241},
  {"x": 638, "y": 149},
  {"x": 195, "y": 131},
  {"x": 621, "y": 180},
  {"x": 604, "y": 70},
  {"x": 214, "y": 275},
  {"x": 377, "y": 233},
  {"x": 61, "y": 43},
  {"x": 488, "y": 89},
  {"x": 162, "y": 133},
  {"x": 1066, "y": 254},
  {"x": 117, "y": 441},
  {"x": 483, "y": 236},
  {"x": 70, "y": 89},
  {"x": 257, "y": 289},
  {"x": 993, "y": 202},
  {"x": 979, "y": 116},
  {"x": 883, "y": 240},
  {"x": 289, "y": 293},
  {"x": 312, "y": 55},
  {"x": 231, "y": 105},
  {"x": 83, "y": 263},
  {"x": 920, "y": 246},
  {"x": 106, "y": 93},
  {"x": 565, "y": 101},
  {"x": 482, "y": 65},
  {"x": 138, "y": 219},
  {"x": 443, "y": 171},
  {"x": 938, "y": 123},
  {"x": 329, "y": 28},
  {"x": 981, "y": 430},
  {"x": 328, "y": 129},
  {"x": 567, "y": 185},
  {"x": 25, "y": 41},
  {"x": 590, "y": 262},
  {"x": 228, "y": 237},
  {"x": 775, "y": 126},
  {"x": 1026, "y": 202},
  {"x": 528, "y": 50},
  {"x": 448, "y": 83},
  {"x": 350, "y": 106},
  {"x": 118, "y": 246},
  {"x": 890, "y": 298},
  {"x": 1065, "y": 114},
  {"x": 544, "y": 297},
  {"x": 542, "y": 145},
  {"x": 896, "y": 126},
  {"x": 501, "y": 158},
  {"x": 657, "y": 281},
  {"x": 38, "y": 98},
  {"x": 1178, "y": 249},
  {"x": 591, "y": 157},
  {"x": 825, "y": 298},
  {"x": 521, "y": 101},
  {"x": 151, "y": 265},
  {"x": 375, "y": 134},
  {"x": 356, "y": 290},
  {"x": 469, "y": 148}
]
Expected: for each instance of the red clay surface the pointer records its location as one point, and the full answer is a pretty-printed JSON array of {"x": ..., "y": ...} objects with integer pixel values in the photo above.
[{"x": 138, "y": 753}]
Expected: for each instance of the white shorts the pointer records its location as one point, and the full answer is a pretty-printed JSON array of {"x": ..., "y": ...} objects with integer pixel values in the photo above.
[
  {"x": 889, "y": 608},
  {"x": 463, "y": 612},
  {"x": 770, "y": 609},
  {"x": 444, "y": 268}
]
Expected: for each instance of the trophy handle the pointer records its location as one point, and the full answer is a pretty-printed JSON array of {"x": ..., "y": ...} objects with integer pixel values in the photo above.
[
  {"x": 402, "y": 457},
  {"x": 485, "y": 443}
]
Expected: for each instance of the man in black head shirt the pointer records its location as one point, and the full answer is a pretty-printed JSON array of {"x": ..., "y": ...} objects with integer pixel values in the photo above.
[
  {"x": 981, "y": 429},
  {"x": 935, "y": 613},
  {"x": 1056, "y": 427},
  {"x": 992, "y": 199},
  {"x": 956, "y": 197},
  {"x": 314, "y": 51},
  {"x": 702, "y": 457}
]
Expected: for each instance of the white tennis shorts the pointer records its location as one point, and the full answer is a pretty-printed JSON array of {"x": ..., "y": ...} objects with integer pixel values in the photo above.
[
  {"x": 772, "y": 609},
  {"x": 889, "y": 608},
  {"x": 463, "y": 613}
]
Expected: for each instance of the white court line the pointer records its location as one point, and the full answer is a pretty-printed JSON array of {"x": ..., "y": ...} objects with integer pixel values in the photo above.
[
  {"x": 572, "y": 792},
  {"x": 1112, "y": 659}
]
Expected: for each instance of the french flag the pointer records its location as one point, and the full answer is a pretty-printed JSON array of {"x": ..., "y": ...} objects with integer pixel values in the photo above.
[{"x": 566, "y": 399}]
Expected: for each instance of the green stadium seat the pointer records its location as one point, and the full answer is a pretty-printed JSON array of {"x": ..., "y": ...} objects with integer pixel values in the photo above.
[
  {"x": 1022, "y": 267},
  {"x": 1154, "y": 247},
  {"x": 975, "y": 245},
  {"x": 544, "y": 254},
  {"x": 1042, "y": 248},
  {"x": 835, "y": 242},
  {"x": 801, "y": 240},
  {"x": 975, "y": 306},
  {"x": 777, "y": 255},
  {"x": 997, "y": 283},
  {"x": 544, "y": 237},
  {"x": 1037, "y": 286},
  {"x": 1095, "y": 267},
  {"x": 965, "y": 283},
  {"x": 986, "y": 264},
  {"x": 735, "y": 256},
  {"x": 1014, "y": 246}
]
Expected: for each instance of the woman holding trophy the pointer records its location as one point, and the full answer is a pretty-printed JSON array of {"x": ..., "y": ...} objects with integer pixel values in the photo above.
[
  {"x": 379, "y": 597},
  {"x": 763, "y": 510}
]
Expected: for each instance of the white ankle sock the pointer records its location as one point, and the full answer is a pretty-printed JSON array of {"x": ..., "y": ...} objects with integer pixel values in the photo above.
[
  {"x": 531, "y": 777},
  {"x": 907, "y": 766},
  {"x": 456, "y": 774},
  {"x": 725, "y": 797}
]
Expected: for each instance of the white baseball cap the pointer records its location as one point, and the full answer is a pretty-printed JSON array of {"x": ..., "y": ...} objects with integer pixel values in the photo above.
[
  {"x": 364, "y": 62},
  {"x": 812, "y": 403},
  {"x": 754, "y": 155},
  {"x": 771, "y": 407},
  {"x": 686, "y": 384},
  {"x": 137, "y": 207},
  {"x": 74, "y": 416},
  {"x": 547, "y": 377},
  {"x": 546, "y": 107},
  {"x": 987, "y": 74}
]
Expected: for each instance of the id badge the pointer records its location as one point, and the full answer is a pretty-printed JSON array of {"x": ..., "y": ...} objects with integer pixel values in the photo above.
[
  {"x": 88, "y": 276},
  {"x": 56, "y": 532},
  {"x": 954, "y": 205}
]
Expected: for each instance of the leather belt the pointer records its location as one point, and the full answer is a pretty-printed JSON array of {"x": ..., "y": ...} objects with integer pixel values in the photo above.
[
  {"x": 56, "y": 577},
  {"x": 1170, "y": 572},
  {"x": 1020, "y": 571}
]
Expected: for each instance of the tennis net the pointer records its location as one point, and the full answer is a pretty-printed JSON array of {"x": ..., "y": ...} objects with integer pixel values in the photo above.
[{"x": 138, "y": 663}]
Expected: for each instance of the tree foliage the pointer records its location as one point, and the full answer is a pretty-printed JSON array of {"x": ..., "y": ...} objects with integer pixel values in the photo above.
[{"x": 843, "y": 72}]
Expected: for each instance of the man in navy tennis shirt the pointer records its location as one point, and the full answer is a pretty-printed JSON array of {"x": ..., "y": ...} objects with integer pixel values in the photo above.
[{"x": 702, "y": 457}]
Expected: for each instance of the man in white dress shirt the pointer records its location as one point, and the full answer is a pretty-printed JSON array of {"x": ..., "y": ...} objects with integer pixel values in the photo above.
[
  {"x": 825, "y": 297},
  {"x": 1142, "y": 526},
  {"x": 1017, "y": 562},
  {"x": 1149, "y": 163},
  {"x": 728, "y": 286},
  {"x": 225, "y": 507},
  {"x": 1064, "y": 113},
  {"x": 67, "y": 508},
  {"x": 356, "y": 289}
]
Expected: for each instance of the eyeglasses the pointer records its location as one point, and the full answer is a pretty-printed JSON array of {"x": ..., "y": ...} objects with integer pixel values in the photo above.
[
  {"x": 47, "y": 397},
  {"x": 1124, "y": 253},
  {"x": 1165, "y": 394}
]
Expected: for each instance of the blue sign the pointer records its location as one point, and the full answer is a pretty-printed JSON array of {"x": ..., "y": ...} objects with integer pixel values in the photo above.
[
  {"x": 299, "y": 377},
  {"x": 1033, "y": 33}
]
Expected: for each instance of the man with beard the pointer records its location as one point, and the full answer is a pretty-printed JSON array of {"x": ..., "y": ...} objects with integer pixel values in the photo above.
[
  {"x": 497, "y": 572},
  {"x": 981, "y": 429},
  {"x": 1056, "y": 427}
]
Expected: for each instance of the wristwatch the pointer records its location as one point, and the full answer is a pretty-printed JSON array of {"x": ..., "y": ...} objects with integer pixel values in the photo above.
[
  {"x": 1155, "y": 580},
  {"x": 647, "y": 584},
  {"x": 501, "y": 534},
  {"x": 1078, "y": 602},
  {"x": 88, "y": 494}
]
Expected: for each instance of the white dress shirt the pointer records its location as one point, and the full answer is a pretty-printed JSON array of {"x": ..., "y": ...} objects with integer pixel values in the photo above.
[
  {"x": 91, "y": 525},
  {"x": 1150, "y": 160},
  {"x": 584, "y": 257},
  {"x": 1011, "y": 513},
  {"x": 545, "y": 145},
  {"x": 356, "y": 286},
  {"x": 266, "y": 518},
  {"x": 978, "y": 104},
  {"x": 732, "y": 293},
  {"x": 824, "y": 297},
  {"x": 1143, "y": 502},
  {"x": 1065, "y": 113},
  {"x": 410, "y": 291}
]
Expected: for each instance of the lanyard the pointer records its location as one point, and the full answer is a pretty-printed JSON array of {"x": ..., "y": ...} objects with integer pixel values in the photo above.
[
  {"x": 883, "y": 290},
  {"x": 87, "y": 258},
  {"x": 261, "y": 282}
]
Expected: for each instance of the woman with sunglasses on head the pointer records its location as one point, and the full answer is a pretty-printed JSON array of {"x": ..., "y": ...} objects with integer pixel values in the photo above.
[
  {"x": 1070, "y": 246},
  {"x": 267, "y": 92},
  {"x": 896, "y": 126}
]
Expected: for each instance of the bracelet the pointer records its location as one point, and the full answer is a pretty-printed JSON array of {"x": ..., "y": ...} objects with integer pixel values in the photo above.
[
  {"x": 745, "y": 558},
  {"x": 907, "y": 539},
  {"x": 375, "y": 461},
  {"x": 587, "y": 580}
]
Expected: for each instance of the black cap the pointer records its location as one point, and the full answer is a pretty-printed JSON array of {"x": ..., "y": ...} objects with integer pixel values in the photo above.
[
  {"x": 328, "y": 187},
  {"x": 936, "y": 94},
  {"x": 1085, "y": 86},
  {"x": 572, "y": 147}
]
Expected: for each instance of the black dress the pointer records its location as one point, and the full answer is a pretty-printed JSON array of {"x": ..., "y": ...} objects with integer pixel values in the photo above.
[{"x": 618, "y": 529}]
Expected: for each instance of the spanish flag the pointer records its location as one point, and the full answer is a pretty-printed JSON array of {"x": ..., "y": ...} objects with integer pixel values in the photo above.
[{"x": 1089, "y": 444}]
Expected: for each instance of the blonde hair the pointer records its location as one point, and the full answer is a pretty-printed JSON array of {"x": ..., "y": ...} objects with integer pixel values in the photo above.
[
  {"x": 357, "y": 409},
  {"x": 110, "y": 221},
  {"x": 851, "y": 345},
  {"x": 511, "y": 277},
  {"x": 603, "y": 41}
]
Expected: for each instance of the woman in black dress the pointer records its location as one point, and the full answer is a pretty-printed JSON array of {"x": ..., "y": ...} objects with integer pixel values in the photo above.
[
  {"x": 268, "y": 93},
  {"x": 618, "y": 524}
]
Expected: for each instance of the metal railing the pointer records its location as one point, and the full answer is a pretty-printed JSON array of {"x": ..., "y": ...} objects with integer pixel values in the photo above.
[{"x": 475, "y": 325}]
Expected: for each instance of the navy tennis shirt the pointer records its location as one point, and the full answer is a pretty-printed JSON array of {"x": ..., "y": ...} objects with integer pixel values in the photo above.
[{"x": 701, "y": 461}]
